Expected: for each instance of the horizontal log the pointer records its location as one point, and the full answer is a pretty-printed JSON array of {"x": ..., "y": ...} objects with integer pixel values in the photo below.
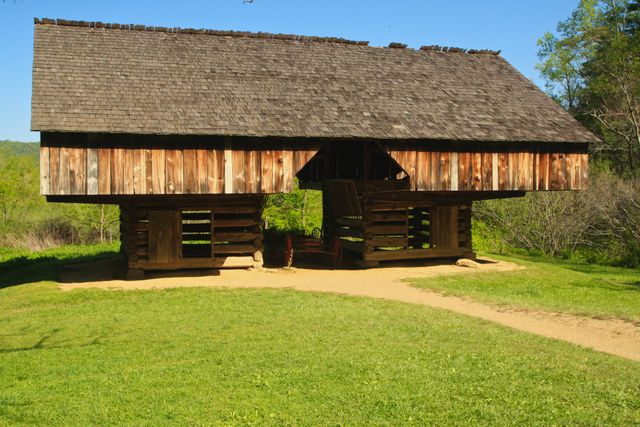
[
  {"x": 387, "y": 229},
  {"x": 388, "y": 242},
  {"x": 235, "y": 222},
  {"x": 399, "y": 207},
  {"x": 217, "y": 262},
  {"x": 234, "y": 248},
  {"x": 236, "y": 236},
  {"x": 237, "y": 209},
  {"x": 390, "y": 216},
  {"x": 407, "y": 254},
  {"x": 205, "y": 235}
]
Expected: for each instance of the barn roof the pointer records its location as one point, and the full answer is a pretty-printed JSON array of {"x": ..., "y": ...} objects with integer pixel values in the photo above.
[{"x": 95, "y": 77}]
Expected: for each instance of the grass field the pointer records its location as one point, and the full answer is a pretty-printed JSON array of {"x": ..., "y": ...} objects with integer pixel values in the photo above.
[
  {"x": 594, "y": 290},
  {"x": 256, "y": 357}
]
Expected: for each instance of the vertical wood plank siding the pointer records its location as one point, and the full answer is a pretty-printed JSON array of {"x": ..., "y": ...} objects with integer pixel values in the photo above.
[
  {"x": 118, "y": 170},
  {"x": 476, "y": 171}
]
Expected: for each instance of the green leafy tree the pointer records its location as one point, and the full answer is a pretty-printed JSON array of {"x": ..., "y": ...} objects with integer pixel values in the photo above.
[
  {"x": 96, "y": 221},
  {"x": 298, "y": 211},
  {"x": 592, "y": 67},
  {"x": 562, "y": 54}
]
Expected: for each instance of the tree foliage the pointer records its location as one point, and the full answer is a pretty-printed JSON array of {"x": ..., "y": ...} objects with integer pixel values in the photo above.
[
  {"x": 592, "y": 67},
  {"x": 27, "y": 220},
  {"x": 299, "y": 211}
]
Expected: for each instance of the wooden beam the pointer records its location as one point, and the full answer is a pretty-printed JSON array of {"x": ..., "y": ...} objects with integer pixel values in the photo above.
[
  {"x": 407, "y": 254},
  {"x": 44, "y": 171},
  {"x": 185, "y": 263},
  {"x": 228, "y": 166}
]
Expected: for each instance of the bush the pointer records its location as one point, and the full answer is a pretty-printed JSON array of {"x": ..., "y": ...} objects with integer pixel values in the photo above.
[{"x": 601, "y": 223}]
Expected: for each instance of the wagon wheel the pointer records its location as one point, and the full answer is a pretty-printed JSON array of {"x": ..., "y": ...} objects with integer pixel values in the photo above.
[
  {"x": 288, "y": 251},
  {"x": 336, "y": 252}
]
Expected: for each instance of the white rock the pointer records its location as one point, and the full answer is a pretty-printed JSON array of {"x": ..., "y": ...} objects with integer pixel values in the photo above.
[{"x": 464, "y": 262}]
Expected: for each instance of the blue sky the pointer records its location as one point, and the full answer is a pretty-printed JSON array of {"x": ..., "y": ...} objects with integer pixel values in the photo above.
[{"x": 512, "y": 26}]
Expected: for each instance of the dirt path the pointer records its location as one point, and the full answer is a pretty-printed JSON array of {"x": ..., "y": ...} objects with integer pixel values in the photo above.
[{"x": 609, "y": 335}]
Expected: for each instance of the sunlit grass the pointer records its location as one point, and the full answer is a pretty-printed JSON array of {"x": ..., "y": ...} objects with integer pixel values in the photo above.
[
  {"x": 594, "y": 290},
  {"x": 205, "y": 356}
]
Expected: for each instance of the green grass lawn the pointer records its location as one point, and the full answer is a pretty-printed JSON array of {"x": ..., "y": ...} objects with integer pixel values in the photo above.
[
  {"x": 206, "y": 356},
  {"x": 594, "y": 290}
]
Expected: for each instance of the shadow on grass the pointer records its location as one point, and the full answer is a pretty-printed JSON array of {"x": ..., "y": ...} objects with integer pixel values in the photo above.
[
  {"x": 27, "y": 269},
  {"x": 40, "y": 344}
]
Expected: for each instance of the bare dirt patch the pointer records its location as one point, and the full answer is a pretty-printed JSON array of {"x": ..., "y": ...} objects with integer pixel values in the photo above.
[{"x": 612, "y": 336}]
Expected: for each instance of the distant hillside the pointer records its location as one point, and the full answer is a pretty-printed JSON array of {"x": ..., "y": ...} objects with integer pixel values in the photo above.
[{"x": 13, "y": 148}]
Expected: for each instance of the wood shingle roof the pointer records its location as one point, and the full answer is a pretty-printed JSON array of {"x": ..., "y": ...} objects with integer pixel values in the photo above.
[{"x": 94, "y": 77}]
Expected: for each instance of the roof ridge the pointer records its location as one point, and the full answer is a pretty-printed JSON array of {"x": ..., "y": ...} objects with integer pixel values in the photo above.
[
  {"x": 178, "y": 30},
  {"x": 262, "y": 35}
]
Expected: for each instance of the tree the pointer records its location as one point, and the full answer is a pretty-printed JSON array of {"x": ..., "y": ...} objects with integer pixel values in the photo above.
[
  {"x": 592, "y": 67},
  {"x": 562, "y": 55},
  {"x": 99, "y": 221}
]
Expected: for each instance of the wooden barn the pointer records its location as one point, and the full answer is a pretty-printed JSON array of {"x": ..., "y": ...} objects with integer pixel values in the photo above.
[{"x": 188, "y": 130}]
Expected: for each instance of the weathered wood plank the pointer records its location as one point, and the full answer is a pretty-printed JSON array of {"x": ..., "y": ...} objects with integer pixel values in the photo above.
[
  {"x": 434, "y": 171},
  {"x": 236, "y": 236},
  {"x": 287, "y": 165},
  {"x": 215, "y": 171},
  {"x": 128, "y": 171},
  {"x": 77, "y": 170},
  {"x": 266, "y": 163},
  {"x": 251, "y": 175},
  {"x": 503, "y": 171},
  {"x": 217, "y": 262},
  {"x": 148, "y": 170},
  {"x": 54, "y": 170},
  {"x": 158, "y": 167},
  {"x": 45, "y": 177},
  {"x": 384, "y": 241},
  {"x": 465, "y": 171},
  {"x": 139, "y": 180},
  {"x": 228, "y": 167},
  {"x": 495, "y": 172},
  {"x": 513, "y": 171},
  {"x": 487, "y": 171},
  {"x": 521, "y": 161},
  {"x": 202, "y": 163},
  {"x": 104, "y": 171},
  {"x": 92, "y": 171},
  {"x": 190, "y": 171},
  {"x": 239, "y": 182},
  {"x": 235, "y": 222},
  {"x": 403, "y": 254},
  {"x": 445, "y": 172},
  {"x": 584, "y": 171},
  {"x": 278, "y": 171},
  {"x": 164, "y": 236},
  {"x": 117, "y": 170},
  {"x": 444, "y": 227},
  {"x": 173, "y": 172},
  {"x": 64, "y": 185},
  {"x": 411, "y": 159},
  {"x": 454, "y": 171},
  {"x": 235, "y": 248},
  {"x": 476, "y": 171}
]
